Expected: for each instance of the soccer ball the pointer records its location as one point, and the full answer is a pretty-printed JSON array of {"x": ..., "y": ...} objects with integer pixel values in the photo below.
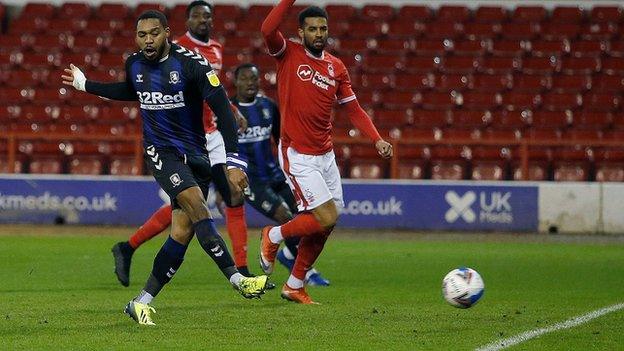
[{"x": 462, "y": 287}]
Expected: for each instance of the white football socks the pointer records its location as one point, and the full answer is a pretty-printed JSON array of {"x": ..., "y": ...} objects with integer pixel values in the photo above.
[
  {"x": 294, "y": 282},
  {"x": 236, "y": 278},
  {"x": 288, "y": 254},
  {"x": 144, "y": 298},
  {"x": 275, "y": 235}
]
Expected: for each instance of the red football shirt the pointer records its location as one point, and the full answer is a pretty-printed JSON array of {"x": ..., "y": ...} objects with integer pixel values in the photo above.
[
  {"x": 308, "y": 87},
  {"x": 213, "y": 52}
]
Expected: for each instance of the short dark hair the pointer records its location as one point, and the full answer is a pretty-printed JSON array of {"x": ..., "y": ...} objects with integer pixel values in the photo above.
[
  {"x": 312, "y": 11},
  {"x": 153, "y": 14},
  {"x": 195, "y": 3},
  {"x": 244, "y": 66}
]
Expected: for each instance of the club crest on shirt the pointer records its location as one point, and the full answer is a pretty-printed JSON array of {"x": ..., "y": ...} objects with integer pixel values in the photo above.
[
  {"x": 266, "y": 113},
  {"x": 175, "y": 179},
  {"x": 139, "y": 78},
  {"x": 213, "y": 79},
  {"x": 174, "y": 77},
  {"x": 330, "y": 70}
]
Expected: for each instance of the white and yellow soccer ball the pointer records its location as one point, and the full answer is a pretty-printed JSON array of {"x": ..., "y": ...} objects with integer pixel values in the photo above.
[{"x": 462, "y": 287}]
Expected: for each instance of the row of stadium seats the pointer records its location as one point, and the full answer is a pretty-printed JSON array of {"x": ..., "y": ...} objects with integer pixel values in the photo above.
[
  {"x": 455, "y": 13},
  {"x": 422, "y": 162}
]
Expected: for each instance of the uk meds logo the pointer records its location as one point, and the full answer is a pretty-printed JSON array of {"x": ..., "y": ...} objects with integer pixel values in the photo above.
[{"x": 460, "y": 207}]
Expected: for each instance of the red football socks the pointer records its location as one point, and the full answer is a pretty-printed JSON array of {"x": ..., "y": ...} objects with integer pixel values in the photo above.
[
  {"x": 310, "y": 248},
  {"x": 157, "y": 223},
  {"x": 237, "y": 230},
  {"x": 304, "y": 224}
]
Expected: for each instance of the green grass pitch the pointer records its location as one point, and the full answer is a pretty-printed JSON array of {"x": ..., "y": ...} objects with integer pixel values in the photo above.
[{"x": 57, "y": 291}]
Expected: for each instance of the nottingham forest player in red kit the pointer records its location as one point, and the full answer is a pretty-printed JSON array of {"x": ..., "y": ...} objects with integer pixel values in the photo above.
[
  {"x": 310, "y": 81},
  {"x": 197, "y": 38}
]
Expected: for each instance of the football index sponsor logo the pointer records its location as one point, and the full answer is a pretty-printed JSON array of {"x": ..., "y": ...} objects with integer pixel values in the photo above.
[
  {"x": 493, "y": 207},
  {"x": 306, "y": 73}
]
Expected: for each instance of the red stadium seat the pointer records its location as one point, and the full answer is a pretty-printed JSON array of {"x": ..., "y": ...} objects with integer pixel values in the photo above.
[
  {"x": 354, "y": 46},
  {"x": 87, "y": 44},
  {"x": 394, "y": 46},
  {"x": 398, "y": 100},
  {"x": 419, "y": 13},
  {"x": 11, "y": 43},
  {"x": 450, "y": 82},
  {"x": 609, "y": 165},
  {"x": 491, "y": 14},
  {"x": 432, "y": 47},
  {"x": 376, "y": 81},
  {"x": 520, "y": 31},
  {"x": 592, "y": 120},
  {"x": 603, "y": 102},
  {"x": 411, "y": 82},
  {"x": 488, "y": 163},
  {"x": 551, "y": 119},
  {"x": 85, "y": 165},
  {"x": 561, "y": 101},
  {"x": 471, "y": 119},
  {"x": 580, "y": 65},
  {"x": 363, "y": 29},
  {"x": 403, "y": 28},
  {"x": 66, "y": 25},
  {"x": 616, "y": 48},
  {"x": 608, "y": 84},
  {"x": 392, "y": 118},
  {"x": 431, "y": 119},
  {"x": 121, "y": 44},
  {"x": 367, "y": 169},
  {"x": 421, "y": 64},
  {"x": 548, "y": 134},
  {"x": 567, "y": 14},
  {"x": 45, "y": 165},
  {"x": 377, "y": 12},
  {"x": 439, "y": 101},
  {"x": 509, "y": 121},
  {"x": 606, "y": 14},
  {"x": 509, "y": 48},
  {"x": 459, "y": 64},
  {"x": 16, "y": 95},
  {"x": 448, "y": 162},
  {"x": 571, "y": 84},
  {"x": 41, "y": 10},
  {"x": 142, "y": 7},
  {"x": 480, "y": 100},
  {"x": 477, "y": 30},
  {"x": 517, "y": 101},
  {"x": 30, "y": 25},
  {"x": 32, "y": 61},
  {"x": 441, "y": 30},
  {"x": 341, "y": 12},
  {"x": 471, "y": 47},
  {"x": 456, "y": 134},
  {"x": 524, "y": 83},
  {"x": 548, "y": 48},
  {"x": 492, "y": 82},
  {"x": 123, "y": 166},
  {"x": 588, "y": 48},
  {"x": 18, "y": 167},
  {"x": 499, "y": 65},
  {"x": 540, "y": 65},
  {"x": 571, "y": 165},
  {"x": 613, "y": 65},
  {"x": 76, "y": 10},
  {"x": 23, "y": 78},
  {"x": 560, "y": 31},
  {"x": 113, "y": 11},
  {"x": 453, "y": 13},
  {"x": 533, "y": 14},
  {"x": 382, "y": 63},
  {"x": 599, "y": 31}
]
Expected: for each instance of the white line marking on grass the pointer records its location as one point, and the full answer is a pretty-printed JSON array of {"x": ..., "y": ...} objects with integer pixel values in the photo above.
[{"x": 572, "y": 322}]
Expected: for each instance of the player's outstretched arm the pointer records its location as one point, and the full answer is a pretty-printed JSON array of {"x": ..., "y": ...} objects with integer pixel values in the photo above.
[
  {"x": 272, "y": 36},
  {"x": 115, "y": 91},
  {"x": 363, "y": 122}
]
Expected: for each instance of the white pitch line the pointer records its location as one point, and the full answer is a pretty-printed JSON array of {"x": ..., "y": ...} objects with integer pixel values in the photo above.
[{"x": 572, "y": 322}]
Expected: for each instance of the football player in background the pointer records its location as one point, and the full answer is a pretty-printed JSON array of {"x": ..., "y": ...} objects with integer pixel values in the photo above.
[
  {"x": 268, "y": 192},
  {"x": 309, "y": 82}
]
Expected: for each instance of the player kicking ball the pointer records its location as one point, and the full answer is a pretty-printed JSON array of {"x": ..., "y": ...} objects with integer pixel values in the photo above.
[
  {"x": 268, "y": 192},
  {"x": 309, "y": 82},
  {"x": 171, "y": 84}
]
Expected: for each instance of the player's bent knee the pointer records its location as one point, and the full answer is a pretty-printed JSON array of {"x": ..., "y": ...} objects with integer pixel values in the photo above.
[
  {"x": 192, "y": 202},
  {"x": 326, "y": 214}
]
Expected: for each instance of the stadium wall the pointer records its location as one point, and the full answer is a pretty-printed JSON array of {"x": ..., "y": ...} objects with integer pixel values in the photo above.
[
  {"x": 415, "y": 205},
  {"x": 431, "y": 3}
]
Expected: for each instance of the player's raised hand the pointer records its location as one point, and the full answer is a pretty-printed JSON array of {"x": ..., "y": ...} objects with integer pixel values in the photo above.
[
  {"x": 74, "y": 77},
  {"x": 384, "y": 148}
]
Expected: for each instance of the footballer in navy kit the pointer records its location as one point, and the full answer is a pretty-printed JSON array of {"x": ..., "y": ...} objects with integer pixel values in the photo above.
[
  {"x": 268, "y": 191},
  {"x": 171, "y": 83}
]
